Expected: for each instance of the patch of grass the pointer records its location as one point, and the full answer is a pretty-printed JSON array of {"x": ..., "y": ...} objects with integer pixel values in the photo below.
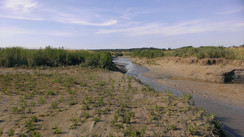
[
  {"x": 29, "y": 125},
  {"x": 96, "y": 119},
  {"x": 1, "y": 131},
  {"x": 172, "y": 127},
  {"x": 191, "y": 129},
  {"x": 54, "y": 105},
  {"x": 86, "y": 115},
  {"x": 41, "y": 100},
  {"x": 11, "y": 132},
  {"x": 57, "y": 130},
  {"x": 73, "y": 102},
  {"x": 50, "y": 92},
  {"x": 132, "y": 132},
  {"x": 15, "y": 109}
]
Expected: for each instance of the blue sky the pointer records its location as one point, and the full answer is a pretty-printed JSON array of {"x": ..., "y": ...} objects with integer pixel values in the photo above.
[{"x": 95, "y": 24}]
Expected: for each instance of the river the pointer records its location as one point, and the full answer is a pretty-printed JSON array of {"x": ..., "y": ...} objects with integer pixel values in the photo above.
[{"x": 231, "y": 116}]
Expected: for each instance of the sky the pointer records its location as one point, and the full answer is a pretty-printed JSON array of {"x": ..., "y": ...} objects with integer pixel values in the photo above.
[{"x": 113, "y": 24}]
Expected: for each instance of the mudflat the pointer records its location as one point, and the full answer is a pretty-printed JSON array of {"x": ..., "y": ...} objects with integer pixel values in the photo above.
[{"x": 196, "y": 77}]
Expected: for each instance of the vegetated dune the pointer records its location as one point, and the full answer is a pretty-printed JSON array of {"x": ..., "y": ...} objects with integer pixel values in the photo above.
[
  {"x": 199, "y": 76},
  {"x": 80, "y": 101}
]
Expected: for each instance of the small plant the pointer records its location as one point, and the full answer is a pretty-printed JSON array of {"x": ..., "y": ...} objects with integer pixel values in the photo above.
[
  {"x": 61, "y": 99},
  {"x": 172, "y": 127},
  {"x": 11, "y": 132},
  {"x": 73, "y": 102},
  {"x": 71, "y": 92},
  {"x": 132, "y": 132},
  {"x": 58, "y": 130},
  {"x": 99, "y": 112},
  {"x": 84, "y": 107},
  {"x": 50, "y": 92},
  {"x": 54, "y": 105},
  {"x": 100, "y": 101},
  {"x": 187, "y": 97},
  {"x": 1, "y": 131},
  {"x": 89, "y": 99},
  {"x": 41, "y": 100},
  {"x": 127, "y": 116},
  {"x": 15, "y": 109},
  {"x": 35, "y": 134},
  {"x": 75, "y": 123},
  {"x": 96, "y": 119},
  {"x": 34, "y": 118},
  {"x": 29, "y": 125},
  {"x": 86, "y": 115},
  {"x": 29, "y": 110},
  {"x": 33, "y": 103},
  {"x": 191, "y": 129},
  {"x": 72, "y": 126},
  {"x": 116, "y": 117}
]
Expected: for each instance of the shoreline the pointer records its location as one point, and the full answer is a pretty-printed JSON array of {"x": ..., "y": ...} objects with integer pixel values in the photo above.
[{"x": 183, "y": 77}]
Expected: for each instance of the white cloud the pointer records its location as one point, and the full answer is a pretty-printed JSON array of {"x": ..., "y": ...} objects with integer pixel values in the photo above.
[
  {"x": 32, "y": 10},
  {"x": 196, "y": 26},
  {"x": 20, "y": 17},
  {"x": 19, "y": 9},
  {"x": 20, "y": 5},
  {"x": 71, "y": 20}
]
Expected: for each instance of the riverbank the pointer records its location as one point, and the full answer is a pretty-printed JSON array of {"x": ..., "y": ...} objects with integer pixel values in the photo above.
[{"x": 201, "y": 79}]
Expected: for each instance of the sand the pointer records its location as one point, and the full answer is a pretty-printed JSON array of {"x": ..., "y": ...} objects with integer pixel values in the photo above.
[{"x": 79, "y": 101}]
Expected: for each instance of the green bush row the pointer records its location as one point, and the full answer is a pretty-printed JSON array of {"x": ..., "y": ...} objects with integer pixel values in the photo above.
[
  {"x": 147, "y": 53},
  {"x": 17, "y": 57},
  {"x": 201, "y": 52}
]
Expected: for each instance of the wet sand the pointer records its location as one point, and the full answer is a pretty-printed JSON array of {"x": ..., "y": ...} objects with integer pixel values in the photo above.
[{"x": 196, "y": 79}]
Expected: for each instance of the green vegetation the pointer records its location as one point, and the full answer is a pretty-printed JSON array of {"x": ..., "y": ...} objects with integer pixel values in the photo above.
[
  {"x": 58, "y": 130},
  {"x": 11, "y": 132},
  {"x": 201, "y": 52},
  {"x": 19, "y": 57}
]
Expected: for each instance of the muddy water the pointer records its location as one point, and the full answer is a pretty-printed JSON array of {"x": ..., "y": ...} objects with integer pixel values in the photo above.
[{"x": 231, "y": 116}]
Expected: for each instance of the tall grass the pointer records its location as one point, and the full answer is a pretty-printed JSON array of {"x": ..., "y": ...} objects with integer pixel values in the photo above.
[
  {"x": 201, "y": 52},
  {"x": 16, "y": 57}
]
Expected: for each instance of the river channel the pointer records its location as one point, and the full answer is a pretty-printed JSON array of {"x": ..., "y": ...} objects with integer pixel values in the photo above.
[{"x": 231, "y": 116}]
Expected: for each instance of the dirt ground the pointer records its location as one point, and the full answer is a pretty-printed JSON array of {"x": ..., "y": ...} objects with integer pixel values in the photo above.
[
  {"x": 197, "y": 78},
  {"x": 78, "y": 101}
]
